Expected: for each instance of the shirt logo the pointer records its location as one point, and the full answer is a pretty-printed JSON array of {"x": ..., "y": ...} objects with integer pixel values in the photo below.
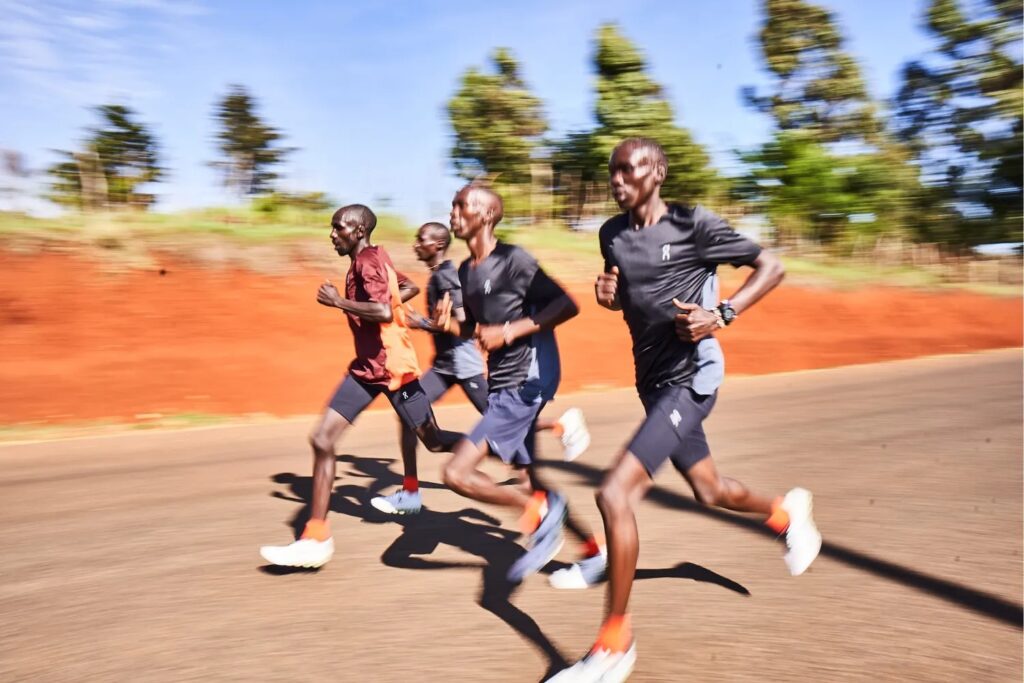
[
  {"x": 487, "y": 286},
  {"x": 665, "y": 251},
  {"x": 405, "y": 396},
  {"x": 676, "y": 418}
]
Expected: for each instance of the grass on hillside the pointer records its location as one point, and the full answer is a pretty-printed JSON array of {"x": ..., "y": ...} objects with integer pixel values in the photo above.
[{"x": 569, "y": 254}]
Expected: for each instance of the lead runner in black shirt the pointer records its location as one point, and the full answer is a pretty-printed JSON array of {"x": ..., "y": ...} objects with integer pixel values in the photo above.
[{"x": 660, "y": 270}]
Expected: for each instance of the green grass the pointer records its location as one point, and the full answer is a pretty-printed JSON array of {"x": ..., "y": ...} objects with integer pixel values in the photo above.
[
  {"x": 238, "y": 224},
  {"x": 856, "y": 273},
  {"x": 129, "y": 236},
  {"x": 852, "y": 274}
]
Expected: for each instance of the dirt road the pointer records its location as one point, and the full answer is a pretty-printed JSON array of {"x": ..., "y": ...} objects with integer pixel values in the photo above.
[{"x": 133, "y": 558}]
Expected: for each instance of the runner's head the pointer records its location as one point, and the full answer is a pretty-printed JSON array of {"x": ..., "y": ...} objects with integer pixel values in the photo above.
[
  {"x": 431, "y": 239},
  {"x": 350, "y": 225},
  {"x": 636, "y": 170},
  {"x": 475, "y": 208}
]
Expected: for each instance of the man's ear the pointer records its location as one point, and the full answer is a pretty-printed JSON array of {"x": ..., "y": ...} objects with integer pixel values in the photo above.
[{"x": 660, "y": 172}]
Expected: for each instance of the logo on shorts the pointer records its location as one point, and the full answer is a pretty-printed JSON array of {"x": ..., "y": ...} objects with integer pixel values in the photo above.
[
  {"x": 474, "y": 385},
  {"x": 676, "y": 418},
  {"x": 665, "y": 251},
  {"x": 487, "y": 286}
]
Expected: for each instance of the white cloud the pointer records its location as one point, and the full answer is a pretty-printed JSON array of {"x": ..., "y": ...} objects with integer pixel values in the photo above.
[{"x": 82, "y": 53}]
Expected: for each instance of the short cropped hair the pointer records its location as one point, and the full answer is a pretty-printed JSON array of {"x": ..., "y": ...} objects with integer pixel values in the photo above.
[{"x": 362, "y": 215}]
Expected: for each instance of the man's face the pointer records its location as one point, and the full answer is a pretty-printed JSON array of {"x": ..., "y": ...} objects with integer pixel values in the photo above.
[
  {"x": 345, "y": 234},
  {"x": 427, "y": 243},
  {"x": 634, "y": 176},
  {"x": 469, "y": 214}
]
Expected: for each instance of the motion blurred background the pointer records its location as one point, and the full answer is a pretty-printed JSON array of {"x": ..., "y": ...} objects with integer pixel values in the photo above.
[
  {"x": 872, "y": 143},
  {"x": 167, "y": 173}
]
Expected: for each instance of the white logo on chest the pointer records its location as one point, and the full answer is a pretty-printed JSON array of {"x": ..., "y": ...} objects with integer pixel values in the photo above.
[
  {"x": 665, "y": 248},
  {"x": 487, "y": 286},
  {"x": 675, "y": 417}
]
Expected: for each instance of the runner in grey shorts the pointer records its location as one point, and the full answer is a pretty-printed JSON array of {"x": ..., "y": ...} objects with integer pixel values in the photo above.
[{"x": 511, "y": 306}]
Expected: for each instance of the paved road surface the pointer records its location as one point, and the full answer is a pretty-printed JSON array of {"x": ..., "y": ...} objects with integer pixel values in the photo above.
[{"x": 133, "y": 558}]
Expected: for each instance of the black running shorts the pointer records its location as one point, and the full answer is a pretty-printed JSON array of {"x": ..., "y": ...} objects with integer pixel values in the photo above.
[
  {"x": 409, "y": 401},
  {"x": 672, "y": 428}
]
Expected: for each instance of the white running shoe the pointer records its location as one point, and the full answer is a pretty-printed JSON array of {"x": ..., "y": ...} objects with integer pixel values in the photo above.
[
  {"x": 584, "y": 573},
  {"x": 802, "y": 537},
  {"x": 401, "y": 502},
  {"x": 599, "y": 666},
  {"x": 575, "y": 435},
  {"x": 305, "y": 552}
]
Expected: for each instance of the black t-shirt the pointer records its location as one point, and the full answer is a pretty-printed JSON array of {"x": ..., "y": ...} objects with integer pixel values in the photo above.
[
  {"x": 507, "y": 285},
  {"x": 673, "y": 258},
  {"x": 444, "y": 279}
]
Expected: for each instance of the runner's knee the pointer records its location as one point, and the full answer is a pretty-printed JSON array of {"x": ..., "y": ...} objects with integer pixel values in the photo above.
[
  {"x": 455, "y": 477},
  {"x": 612, "y": 499},
  {"x": 711, "y": 493},
  {"x": 321, "y": 443}
]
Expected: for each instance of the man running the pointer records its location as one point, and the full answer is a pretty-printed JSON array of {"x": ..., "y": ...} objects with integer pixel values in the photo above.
[
  {"x": 385, "y": 363},
  {"x": 511, "y": 308},
  {"x": 457, "y": 362},
  {"x": 660, "y": 264}
]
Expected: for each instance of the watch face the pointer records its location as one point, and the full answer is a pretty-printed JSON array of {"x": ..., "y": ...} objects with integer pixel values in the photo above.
[{"x": 728, "y": 314}]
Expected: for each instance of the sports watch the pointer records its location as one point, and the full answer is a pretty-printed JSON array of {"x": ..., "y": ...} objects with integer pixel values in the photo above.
[{"x": 727, "y": 312}]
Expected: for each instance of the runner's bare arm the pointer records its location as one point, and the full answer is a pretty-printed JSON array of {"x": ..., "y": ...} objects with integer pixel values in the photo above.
[
  {"x": 693, "y": 323},
  {"x": 373, "y": 311},
  {"x": 407, "y": 290},
  {"x": 768, "y": 273},
  {"x": 556, "y": 312}
]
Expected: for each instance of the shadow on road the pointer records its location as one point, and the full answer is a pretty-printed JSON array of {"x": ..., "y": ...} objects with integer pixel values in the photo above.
[
  {"x": 977, "y": 601},
  {"x": 469, "y": 530}
]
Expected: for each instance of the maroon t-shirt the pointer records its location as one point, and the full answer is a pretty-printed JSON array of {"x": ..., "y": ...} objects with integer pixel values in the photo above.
[{"x": 384, "y": 351}]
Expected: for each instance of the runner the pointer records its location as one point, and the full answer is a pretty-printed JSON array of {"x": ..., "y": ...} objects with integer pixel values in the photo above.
[
  {"x": 511, "y": 308},
  {"x": 385, "y": 363},
  {"x": 457, "y": 362},
  {"x": 660, "y": 271}
]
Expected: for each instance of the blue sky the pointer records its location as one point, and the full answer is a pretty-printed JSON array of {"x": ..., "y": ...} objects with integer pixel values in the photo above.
[{"x": 360, "y": 87}]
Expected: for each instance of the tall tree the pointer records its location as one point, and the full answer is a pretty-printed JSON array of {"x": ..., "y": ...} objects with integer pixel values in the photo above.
[
  {"x": 249, "y": 144},
  {"x": 117, "y": 157},
  {"x": 497, "y": 121},
  {"x": 813, "y": 193},
  {"x": 960, "y": 111},
  {"x": 831, "y": 159},
  {"x": 630, "y": 104},
  {"x": 817, "y": 86}
]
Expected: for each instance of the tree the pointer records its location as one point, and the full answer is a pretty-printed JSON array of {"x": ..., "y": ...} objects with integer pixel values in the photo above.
[
  {"x": 816, "y": 86},
  {"x": 117, "y": 157},
  {"x": 832, "y": 172},
  {"x": 960, "y": 112},
  {"x": 497, "y": 121},
  {"x": 813, "y": 193},
  {"x": 630, "y": 104},
  {"x": 800, "y": 185},
  {"x": 249, "y": 145}
]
